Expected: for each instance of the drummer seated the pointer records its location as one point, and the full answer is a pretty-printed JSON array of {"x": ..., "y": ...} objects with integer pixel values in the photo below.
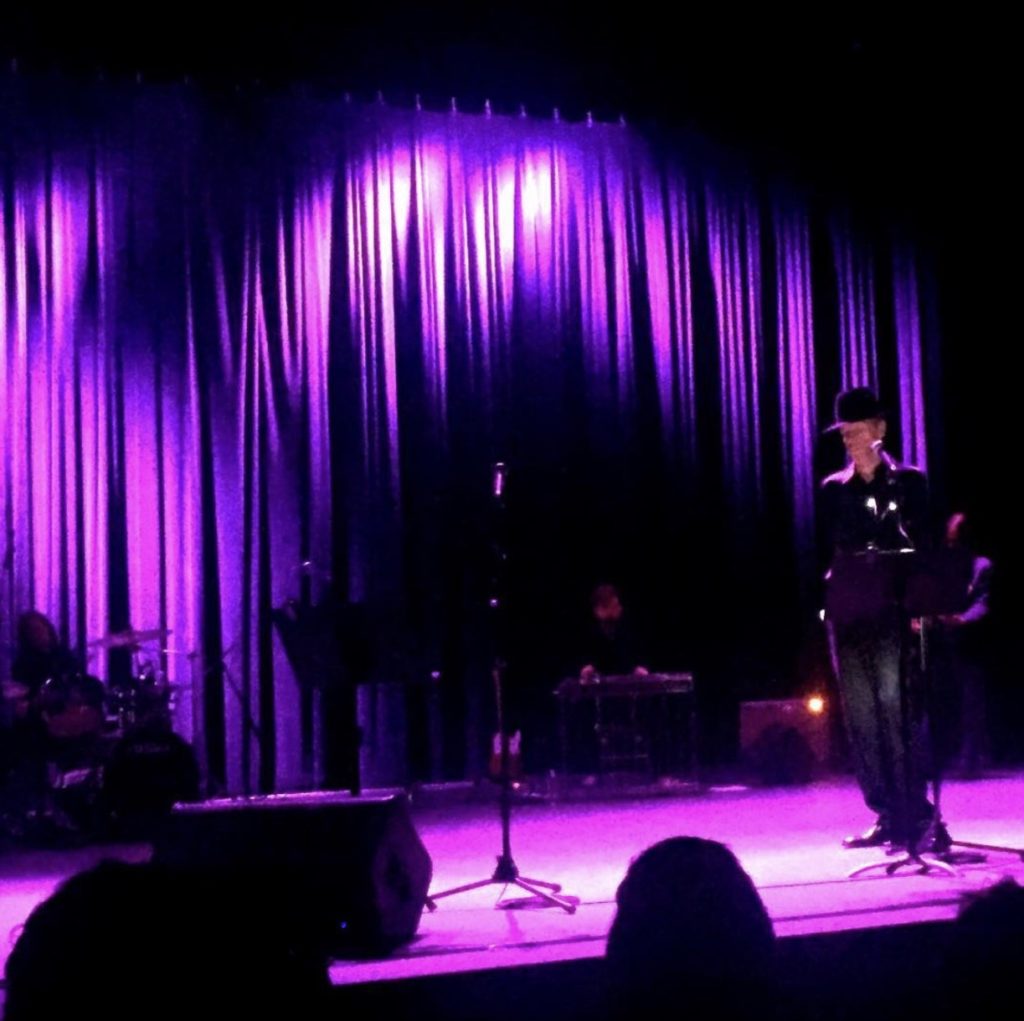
[
  {"x": 40, "y": 655},
  {"x": 52, "y": 704}
]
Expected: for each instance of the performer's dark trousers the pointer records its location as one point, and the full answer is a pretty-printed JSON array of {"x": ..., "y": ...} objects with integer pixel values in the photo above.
[
  {"x": 960, "y": 715},
  {"x": 888, "y": 750}
]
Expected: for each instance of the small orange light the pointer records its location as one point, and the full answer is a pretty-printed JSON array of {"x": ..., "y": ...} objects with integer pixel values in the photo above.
[{"x": 816, "y": 705}]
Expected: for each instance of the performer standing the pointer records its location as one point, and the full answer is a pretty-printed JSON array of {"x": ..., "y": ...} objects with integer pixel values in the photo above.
[
  {"x": 877, "y": 504},
  {"x": 961, "y": 650}
]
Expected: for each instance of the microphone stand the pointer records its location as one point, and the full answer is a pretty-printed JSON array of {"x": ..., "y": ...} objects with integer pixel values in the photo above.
[{"x": 506, "y": 873}]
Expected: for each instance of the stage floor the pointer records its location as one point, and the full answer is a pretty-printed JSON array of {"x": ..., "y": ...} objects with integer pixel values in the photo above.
[{"x": 787, "y": 839}]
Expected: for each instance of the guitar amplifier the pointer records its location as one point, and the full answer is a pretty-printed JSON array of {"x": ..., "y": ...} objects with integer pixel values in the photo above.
[{"x": 785, "y": 741}]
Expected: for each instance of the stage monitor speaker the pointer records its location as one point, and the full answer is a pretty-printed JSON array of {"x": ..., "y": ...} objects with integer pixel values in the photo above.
[
  {"x": 784, "y": 741},
  {"x": 354, "y": 867}
]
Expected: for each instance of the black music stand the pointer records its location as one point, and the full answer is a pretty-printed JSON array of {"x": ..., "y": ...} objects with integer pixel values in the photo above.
[
  {"x": 507, "y": 872},
  {"x": 329, "y": 650}
]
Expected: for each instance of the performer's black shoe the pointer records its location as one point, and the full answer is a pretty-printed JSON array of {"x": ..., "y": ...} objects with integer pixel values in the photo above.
[
  {"x": 929, "y": 838},
  {"x": 935, "y": 839},
  {"x": 878, "y": 835}
]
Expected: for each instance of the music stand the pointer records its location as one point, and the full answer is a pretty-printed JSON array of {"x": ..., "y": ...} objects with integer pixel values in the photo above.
[
  {"x": 912, "y": 584},
  {"x": 328, "y": 649}
]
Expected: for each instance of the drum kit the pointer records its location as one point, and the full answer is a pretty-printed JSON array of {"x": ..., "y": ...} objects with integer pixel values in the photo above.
[
  {"x": 148, "y": 698},
  {"x": 111, "y": 756}
]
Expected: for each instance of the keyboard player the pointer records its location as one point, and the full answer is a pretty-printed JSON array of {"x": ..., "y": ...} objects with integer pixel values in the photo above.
[{"x": 611, "y": 645}]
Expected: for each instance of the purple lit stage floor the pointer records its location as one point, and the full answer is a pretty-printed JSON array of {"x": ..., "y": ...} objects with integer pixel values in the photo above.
[{"x": 786, "y": 838}]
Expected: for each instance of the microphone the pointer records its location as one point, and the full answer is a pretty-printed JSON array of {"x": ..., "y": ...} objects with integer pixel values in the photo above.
[
  {"x": 886, "y": 458},
  {"x": 499, "y": 474}
]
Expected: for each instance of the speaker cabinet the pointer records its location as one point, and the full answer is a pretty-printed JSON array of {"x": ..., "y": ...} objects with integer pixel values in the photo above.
[{"x": 354, "y": 867}]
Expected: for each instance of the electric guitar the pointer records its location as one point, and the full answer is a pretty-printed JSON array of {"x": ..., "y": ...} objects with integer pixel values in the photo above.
[{"x": 515, "y": 758}]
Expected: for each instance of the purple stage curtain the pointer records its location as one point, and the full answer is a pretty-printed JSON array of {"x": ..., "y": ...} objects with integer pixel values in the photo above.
[{"x": 238, "y": 339}]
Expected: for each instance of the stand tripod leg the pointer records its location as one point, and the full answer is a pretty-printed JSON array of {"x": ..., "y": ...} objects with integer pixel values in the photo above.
[
  {"x": 558, "y": 902},
  {"x": 553, "y": 887},
  {"x": 1019, "y": 851},
  {"x": 465, "y": 888}
]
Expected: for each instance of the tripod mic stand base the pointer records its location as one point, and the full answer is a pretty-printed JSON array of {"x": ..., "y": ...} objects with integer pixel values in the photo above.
[
  {"x": 912, "y": 859},
  {"x": 506, "y": 874}
]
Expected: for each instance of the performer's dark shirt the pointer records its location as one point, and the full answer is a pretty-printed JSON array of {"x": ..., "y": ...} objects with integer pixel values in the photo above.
[
  {"x": 612, "y": 647},
  {"x": 970, "y": 638},
  {"x": 888, "y": 513}
]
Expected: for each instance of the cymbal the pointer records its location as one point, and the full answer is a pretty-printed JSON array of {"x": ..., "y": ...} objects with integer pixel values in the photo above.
[{"x": 128, "y": 639}]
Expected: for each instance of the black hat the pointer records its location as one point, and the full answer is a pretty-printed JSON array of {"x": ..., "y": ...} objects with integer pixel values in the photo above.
[{"x": 856, "y": 405}]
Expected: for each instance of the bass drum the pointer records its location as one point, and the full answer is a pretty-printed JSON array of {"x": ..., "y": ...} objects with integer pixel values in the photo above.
[
  {"x": 72, "y": 706},
  {"x": 148, "y": 770}
]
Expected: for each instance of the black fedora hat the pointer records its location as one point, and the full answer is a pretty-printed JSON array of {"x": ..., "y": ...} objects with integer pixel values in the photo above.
[{"x": 856, "y": 405}]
